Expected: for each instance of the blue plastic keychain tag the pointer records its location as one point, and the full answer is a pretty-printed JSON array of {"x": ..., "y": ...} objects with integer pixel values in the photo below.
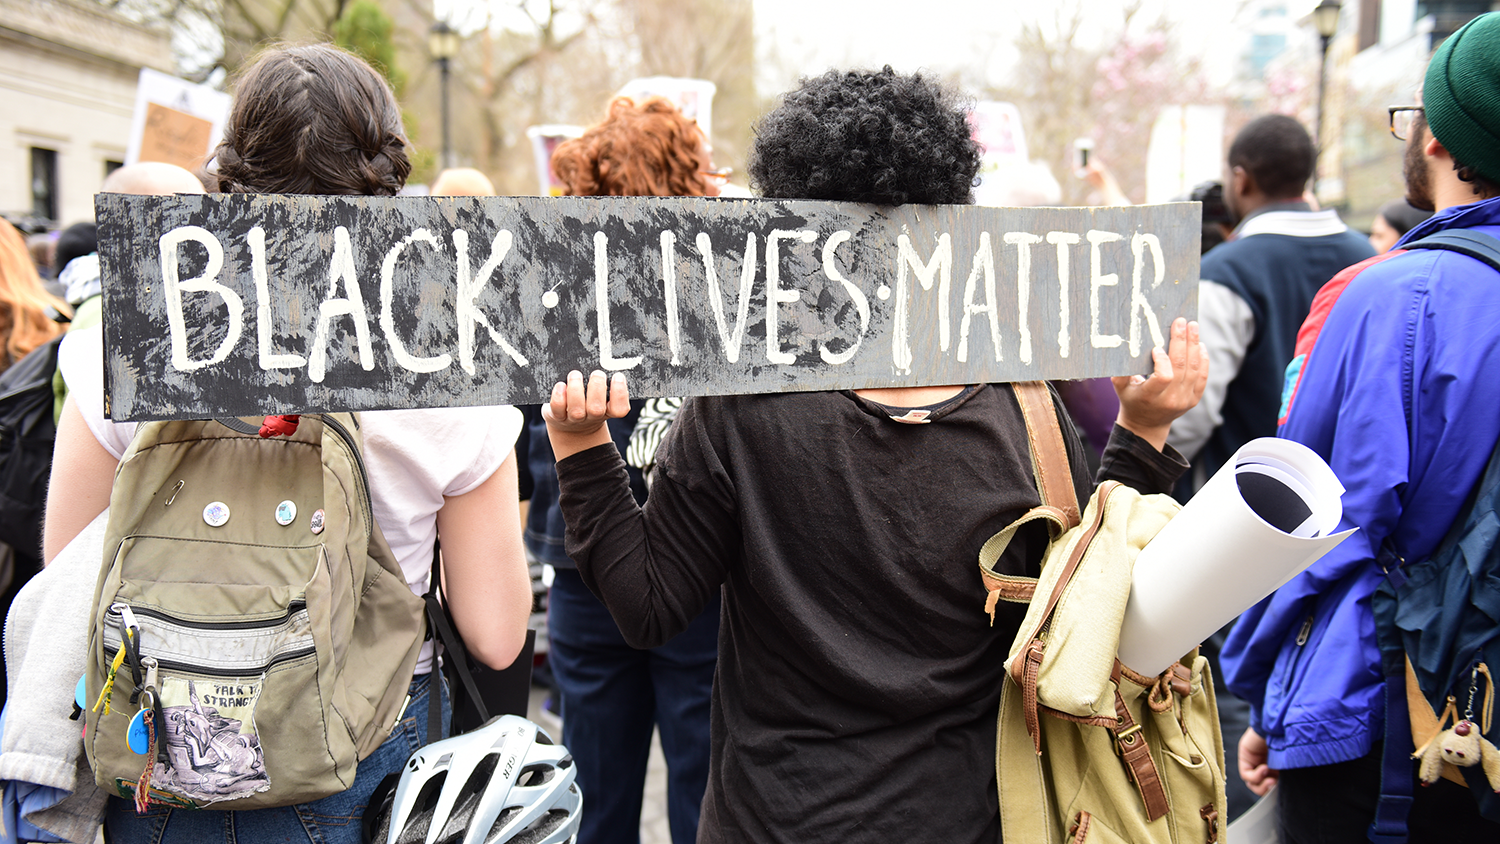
[
  {"x": 140, "y": 741},
  {"x": 80, "y": 694}
]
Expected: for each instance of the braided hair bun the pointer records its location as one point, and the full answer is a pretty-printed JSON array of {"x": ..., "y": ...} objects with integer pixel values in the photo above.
[{"x": 312, "y": 119}]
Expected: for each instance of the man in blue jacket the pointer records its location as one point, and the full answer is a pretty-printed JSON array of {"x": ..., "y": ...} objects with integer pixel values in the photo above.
[{"x": 1395, "y": 385}]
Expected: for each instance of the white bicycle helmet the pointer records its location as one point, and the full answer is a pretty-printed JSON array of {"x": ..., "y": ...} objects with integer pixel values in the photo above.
[{"x": 503, "y": 783}]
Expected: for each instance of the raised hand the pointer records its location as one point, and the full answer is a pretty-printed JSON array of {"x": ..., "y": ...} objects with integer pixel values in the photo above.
[
  {"x": 577, "y": 411},
  {"x": 1148, "y": 404}
]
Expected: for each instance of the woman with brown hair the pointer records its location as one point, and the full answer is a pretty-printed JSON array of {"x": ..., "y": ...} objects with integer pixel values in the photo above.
[
  {"x": 26, "y": 308},
  {"x": 613, "y": 695},
  {"x": 317, "y": 120}
]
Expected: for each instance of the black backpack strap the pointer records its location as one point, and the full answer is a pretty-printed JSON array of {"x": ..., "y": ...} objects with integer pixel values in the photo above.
[
  {"x": 1397, "y": 779},
  {"x": 440, "y": 628},
  {"x": 1397, "y": 782},
  {"x": 1476, "y": 245}
]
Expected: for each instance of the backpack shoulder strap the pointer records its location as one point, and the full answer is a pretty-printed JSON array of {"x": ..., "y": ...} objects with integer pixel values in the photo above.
[
  {"x": 1476, "y": 245},
  {"x": 1049, "y": 452},
  {"x": 1054, "y": 482}
]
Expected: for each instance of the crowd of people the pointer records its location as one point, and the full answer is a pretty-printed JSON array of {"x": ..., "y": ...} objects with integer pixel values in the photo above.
[{"x": 782, "y": 586}]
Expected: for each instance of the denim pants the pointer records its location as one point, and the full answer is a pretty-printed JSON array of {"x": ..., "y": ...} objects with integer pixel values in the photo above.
[
  {"x": 612, "y": 695},
  {"x": 332, "y": 820}
]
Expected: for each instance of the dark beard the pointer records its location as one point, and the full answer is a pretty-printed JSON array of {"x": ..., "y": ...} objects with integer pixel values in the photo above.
[{"x": 1414, "y": 170}]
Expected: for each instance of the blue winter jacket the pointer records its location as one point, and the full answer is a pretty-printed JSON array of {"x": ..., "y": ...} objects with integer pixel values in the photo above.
[{"x": 1399, "y": 391}]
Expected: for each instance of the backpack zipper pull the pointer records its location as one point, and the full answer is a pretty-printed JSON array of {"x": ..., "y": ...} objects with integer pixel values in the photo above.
[
  {"x": 128, "y": 629},
  {"x": 1306, "y": 631},
  {"x": 127, "y": 615}
]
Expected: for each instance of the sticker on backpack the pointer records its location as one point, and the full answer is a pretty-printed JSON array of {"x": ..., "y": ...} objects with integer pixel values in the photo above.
[{"x": 209, "y": 739}]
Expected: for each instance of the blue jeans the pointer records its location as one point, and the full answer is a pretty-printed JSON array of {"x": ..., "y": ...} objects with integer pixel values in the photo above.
[
  {"x": 612, "y": 696},
  {"x": 332, "y": 820}
]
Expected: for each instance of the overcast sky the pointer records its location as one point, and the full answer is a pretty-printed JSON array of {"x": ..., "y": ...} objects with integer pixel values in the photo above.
[{"x": 797, "y": 37}]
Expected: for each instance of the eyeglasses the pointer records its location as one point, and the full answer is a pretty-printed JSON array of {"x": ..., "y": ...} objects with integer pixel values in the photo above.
[
  {"x": 1402, "y": 118},
  {"x": 718, "y": 178}
]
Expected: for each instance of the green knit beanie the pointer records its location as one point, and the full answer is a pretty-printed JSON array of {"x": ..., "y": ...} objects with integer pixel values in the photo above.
[{"x": 1461, "y": 95}]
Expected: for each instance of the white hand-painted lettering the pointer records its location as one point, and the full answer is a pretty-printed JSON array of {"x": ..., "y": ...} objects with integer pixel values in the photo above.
[
  {"x": 1098, "y": 279},
  {"x": 405, "y": 359},
  {"x": 855, "y": 294},
  {"x": 775, "y": 295},
  {"x": 469, "y": 288},
  {"x": 1063, "y": 240},
  {"x": 1139, "y": 243},
  {"x": 341, "y": 268},
  {"x": 669, "y": 291},
  {"x": 263, "y": 328},
  {"x": 716, "y": 298},
  {"x": 172, "y": 289},
  {"x": 607, "y": 359},
  {"x": 1023, "y": 242},
  {"x": 984, "y": 264},
  {"x": 941, "y": 267}
]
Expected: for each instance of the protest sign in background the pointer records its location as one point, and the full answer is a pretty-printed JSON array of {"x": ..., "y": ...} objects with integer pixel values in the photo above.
[{"x": 243, "y": 305}]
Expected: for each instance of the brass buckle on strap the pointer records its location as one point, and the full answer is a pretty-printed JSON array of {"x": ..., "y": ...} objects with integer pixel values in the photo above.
[{"x": 1126, "y": 737}]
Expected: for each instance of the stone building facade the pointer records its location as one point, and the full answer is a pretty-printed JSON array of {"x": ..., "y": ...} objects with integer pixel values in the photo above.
[{"x": 68, "y": 72}]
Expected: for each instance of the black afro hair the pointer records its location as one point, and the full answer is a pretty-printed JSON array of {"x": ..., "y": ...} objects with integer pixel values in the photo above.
[{"x": 864, "y": 136}]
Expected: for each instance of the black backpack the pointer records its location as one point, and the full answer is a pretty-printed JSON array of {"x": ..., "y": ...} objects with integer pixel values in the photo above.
[
  {"x": 27, "y": 430},
  {"x": 1441, "y": 615}
]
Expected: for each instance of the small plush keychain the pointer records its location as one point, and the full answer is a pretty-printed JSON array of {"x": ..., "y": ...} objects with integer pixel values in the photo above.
[{"x": 1464, "y": 744}]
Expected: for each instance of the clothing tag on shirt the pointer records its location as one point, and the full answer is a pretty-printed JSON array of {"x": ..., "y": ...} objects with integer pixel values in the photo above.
[{"x": 913, "y": 417}]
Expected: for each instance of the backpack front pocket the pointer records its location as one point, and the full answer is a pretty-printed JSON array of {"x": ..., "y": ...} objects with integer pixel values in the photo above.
[
  {"x": 242, "y": 677},
  {"x": 211, "y": 679}
]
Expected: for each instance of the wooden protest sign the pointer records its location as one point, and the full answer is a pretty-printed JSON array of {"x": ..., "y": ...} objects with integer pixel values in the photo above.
[{"x": 241, "y": 305}]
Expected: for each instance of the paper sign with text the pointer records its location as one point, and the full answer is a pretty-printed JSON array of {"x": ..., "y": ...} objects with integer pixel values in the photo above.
[{"x": 242, "y": 305}]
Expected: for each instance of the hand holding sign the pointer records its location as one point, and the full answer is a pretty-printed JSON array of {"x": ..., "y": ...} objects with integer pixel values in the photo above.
[
  {"x": 1149, "y": 404},
  {"x": 577, "y": 412}
]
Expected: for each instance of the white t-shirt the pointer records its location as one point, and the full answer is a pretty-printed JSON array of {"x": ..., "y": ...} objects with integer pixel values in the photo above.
[{"x": 413, "y": 457}]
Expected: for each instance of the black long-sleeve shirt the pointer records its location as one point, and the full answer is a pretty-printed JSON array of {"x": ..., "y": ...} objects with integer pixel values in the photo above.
[{"x": 859, "y": 677}]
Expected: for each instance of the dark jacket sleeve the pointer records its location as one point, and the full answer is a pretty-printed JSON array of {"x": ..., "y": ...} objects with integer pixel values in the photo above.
[
  {"x": 655, "y": 568},
  {"x": 1134, "y": 462}
]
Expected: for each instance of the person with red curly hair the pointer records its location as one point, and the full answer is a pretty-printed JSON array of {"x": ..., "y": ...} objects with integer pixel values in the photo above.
[
  {"x": 645, "y": 148},
  {"x": 612, "y": 694}
]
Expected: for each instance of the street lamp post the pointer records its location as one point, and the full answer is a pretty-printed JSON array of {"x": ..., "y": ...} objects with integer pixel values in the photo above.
[
  {"x": 1326, "y": 20},
  {"x": 442, "y": 42}
]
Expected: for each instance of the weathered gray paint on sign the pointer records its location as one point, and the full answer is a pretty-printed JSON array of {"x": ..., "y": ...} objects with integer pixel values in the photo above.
[{"x": 241, "y": 305}]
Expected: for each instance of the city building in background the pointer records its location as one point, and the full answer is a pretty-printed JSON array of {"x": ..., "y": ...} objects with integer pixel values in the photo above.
[{"x": 68, "y": 75}]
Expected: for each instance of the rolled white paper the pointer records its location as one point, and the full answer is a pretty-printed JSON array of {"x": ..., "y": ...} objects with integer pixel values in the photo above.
[{"x": 1218, "y": 557}]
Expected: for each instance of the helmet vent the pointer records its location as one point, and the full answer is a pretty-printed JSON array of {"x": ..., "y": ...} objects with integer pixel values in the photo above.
[
  {"x": 415, "y": 831},
  {"x": 467, "y": 801},
  {"x": 534, "y": 775},
  {"x": 497, "y": 830},
  {"x": 540, "y": 828}
]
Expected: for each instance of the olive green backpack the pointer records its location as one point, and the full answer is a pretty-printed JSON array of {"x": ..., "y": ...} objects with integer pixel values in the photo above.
[
  {"x": 1089, "y": 750},
  {"x": 253, "y": 636}
]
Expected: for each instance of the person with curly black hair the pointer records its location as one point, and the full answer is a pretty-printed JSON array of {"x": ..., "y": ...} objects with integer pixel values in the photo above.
[
  {"x": 858, "y": 675},
  {"x": 857, "y": 136}
]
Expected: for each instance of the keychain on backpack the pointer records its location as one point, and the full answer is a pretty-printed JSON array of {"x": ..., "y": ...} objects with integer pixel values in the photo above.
[
  {"x": 1464, "y": 745},
  {"x": 142, "y": 735}
]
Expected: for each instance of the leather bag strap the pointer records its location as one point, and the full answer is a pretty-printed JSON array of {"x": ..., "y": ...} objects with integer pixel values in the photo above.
[
  {"x": 1130, "y": 741},
  {"x": 1049, "y": 452}
]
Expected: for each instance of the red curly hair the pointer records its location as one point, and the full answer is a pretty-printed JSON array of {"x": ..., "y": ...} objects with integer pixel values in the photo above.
[{"x": 641, "y": 149}]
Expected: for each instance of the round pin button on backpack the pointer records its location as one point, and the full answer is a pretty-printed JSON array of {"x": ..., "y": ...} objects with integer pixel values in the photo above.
[{"x": 216, "y": 514}]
